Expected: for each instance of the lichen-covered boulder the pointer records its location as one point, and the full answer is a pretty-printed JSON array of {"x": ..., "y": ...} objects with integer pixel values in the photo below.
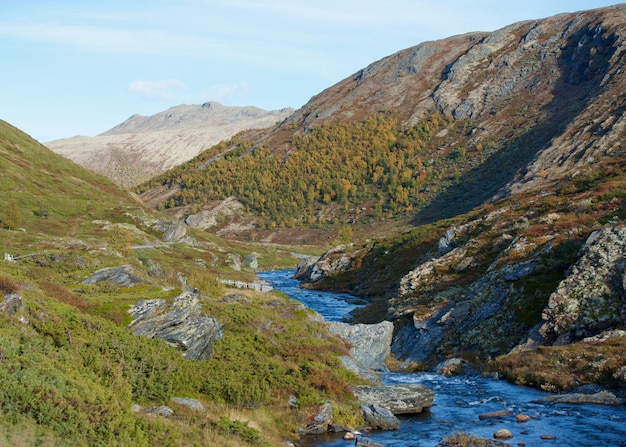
[
  {"x": 379, "y": 418},
  {"x": 370, "y": 346},
  {"x": 591, "y": 298},
  {"x": 122, "y": 275},
  {"x": 399, "y": 399}
]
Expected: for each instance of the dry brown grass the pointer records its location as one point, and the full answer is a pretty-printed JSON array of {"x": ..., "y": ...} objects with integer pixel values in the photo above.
[
  {"x": 562, "y": 368},
  {"x": 8, "y": 285},
  {"x": 64, "y": 295}
]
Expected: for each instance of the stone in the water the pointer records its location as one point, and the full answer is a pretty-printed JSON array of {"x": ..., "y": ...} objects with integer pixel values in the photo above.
[
  {"x": 348, "y": 436},
  {"x": 601, "y": 398},
  {"x": 380, "y": 418},
  {"x": 548, "y": 437},
  {"x": 364, "y": 442},
  {"x": 503, "y": 433},
  {"x": 522, "y": 418},
  {"x": 451, "y": 367},
  {"x": 399, "y": 399}
]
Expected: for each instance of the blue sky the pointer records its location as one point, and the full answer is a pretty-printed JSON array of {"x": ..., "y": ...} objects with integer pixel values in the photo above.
[{"x": 80, "y": 67}]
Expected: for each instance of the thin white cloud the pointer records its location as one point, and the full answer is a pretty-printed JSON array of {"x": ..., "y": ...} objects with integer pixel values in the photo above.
[{"x": 167, "y": 90}]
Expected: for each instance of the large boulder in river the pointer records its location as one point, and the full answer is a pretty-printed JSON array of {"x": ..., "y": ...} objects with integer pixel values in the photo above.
[
  {"x": 600, "y": 398},
  {"x": 181, "y": 324},
  {"x": 379, "y": 418},
  {"x": 399, "y": 399},
  {"x": 370, "y": 346}
]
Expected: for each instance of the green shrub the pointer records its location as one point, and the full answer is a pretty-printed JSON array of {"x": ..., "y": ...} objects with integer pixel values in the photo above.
[
  {"x": 11, "y": 216},
  {"x": 241, "y": 430}
]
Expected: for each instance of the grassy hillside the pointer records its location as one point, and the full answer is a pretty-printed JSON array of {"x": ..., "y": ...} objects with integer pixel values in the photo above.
[{"x": 72, "y": 371}]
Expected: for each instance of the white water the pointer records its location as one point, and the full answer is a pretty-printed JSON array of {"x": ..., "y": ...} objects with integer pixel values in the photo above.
[{"x": 459, "y": 400}]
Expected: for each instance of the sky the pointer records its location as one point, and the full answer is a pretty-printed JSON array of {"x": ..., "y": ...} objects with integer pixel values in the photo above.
[{"x": 80, "y": 67}]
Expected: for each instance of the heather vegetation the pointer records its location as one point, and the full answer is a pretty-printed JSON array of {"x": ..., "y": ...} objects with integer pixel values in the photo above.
[
  {"x": 464, "y": 209},
  {"x": 70, "y": 369}
]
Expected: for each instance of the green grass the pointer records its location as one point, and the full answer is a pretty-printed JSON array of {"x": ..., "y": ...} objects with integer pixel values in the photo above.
[{"x": 71, "y": 370}]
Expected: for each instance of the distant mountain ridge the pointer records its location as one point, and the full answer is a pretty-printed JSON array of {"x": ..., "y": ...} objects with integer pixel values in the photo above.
[
  {"x": 191, "y": 116},
  {"x": 144, "y": 146}
]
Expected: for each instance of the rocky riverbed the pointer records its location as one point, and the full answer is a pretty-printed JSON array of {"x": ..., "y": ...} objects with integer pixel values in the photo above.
[{"x": 527, "y": 414}]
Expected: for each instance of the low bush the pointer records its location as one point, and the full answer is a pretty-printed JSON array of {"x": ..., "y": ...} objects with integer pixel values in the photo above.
[
  {"x": 563, "y": 368},
  {"x": 8, "y": 285},
  {"x": 241, "y": 430}
]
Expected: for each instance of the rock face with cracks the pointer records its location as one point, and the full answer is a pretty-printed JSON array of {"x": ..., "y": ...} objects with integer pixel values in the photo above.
[
  {"x": 370, "y": 347},
  {"x": 591, "y": 298},
  {"x": 181, "y": 324}
]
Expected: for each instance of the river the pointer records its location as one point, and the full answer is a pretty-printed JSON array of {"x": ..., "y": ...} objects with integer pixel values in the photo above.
[{"x": 459, "y": 400}]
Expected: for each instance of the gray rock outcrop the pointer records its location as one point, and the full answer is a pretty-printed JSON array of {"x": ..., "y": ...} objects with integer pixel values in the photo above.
[
  {"x": 251, "y": 261},
  {"x": 315, "y": 269},
  {"x": 175, "y": 231},
  {"x": 163, "y": 411},
  {"x": 591, "y": 298},
  {"x": 370, "y": 346},
  {"x": 11, "y": 303},
  {"x": 192, "y": 404},
  {"x": 123, "y": 276},
  {"x": 212, "y": 215},
  {"x": 181, "y": 324},
  {"x": 320, "y": 421},
  {"x": 399, "y": 399},
  {"x": 379, "y": 418}
]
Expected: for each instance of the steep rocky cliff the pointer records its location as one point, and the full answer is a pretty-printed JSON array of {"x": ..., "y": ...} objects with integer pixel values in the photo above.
[
  {"x": 592, "y": 297},
  {"x": 496, "y": 289}
]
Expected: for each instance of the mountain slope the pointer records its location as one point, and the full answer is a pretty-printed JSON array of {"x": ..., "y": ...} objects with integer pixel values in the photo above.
[
  {"x": 142, "y": 147},
  {"x": 430, "y": 131},
  {"x": 522, "y": 257},
  {"x": 79, "y": 252}
]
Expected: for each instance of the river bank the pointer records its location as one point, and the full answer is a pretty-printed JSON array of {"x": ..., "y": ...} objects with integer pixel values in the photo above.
[{"x": 459, "y": 401}]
